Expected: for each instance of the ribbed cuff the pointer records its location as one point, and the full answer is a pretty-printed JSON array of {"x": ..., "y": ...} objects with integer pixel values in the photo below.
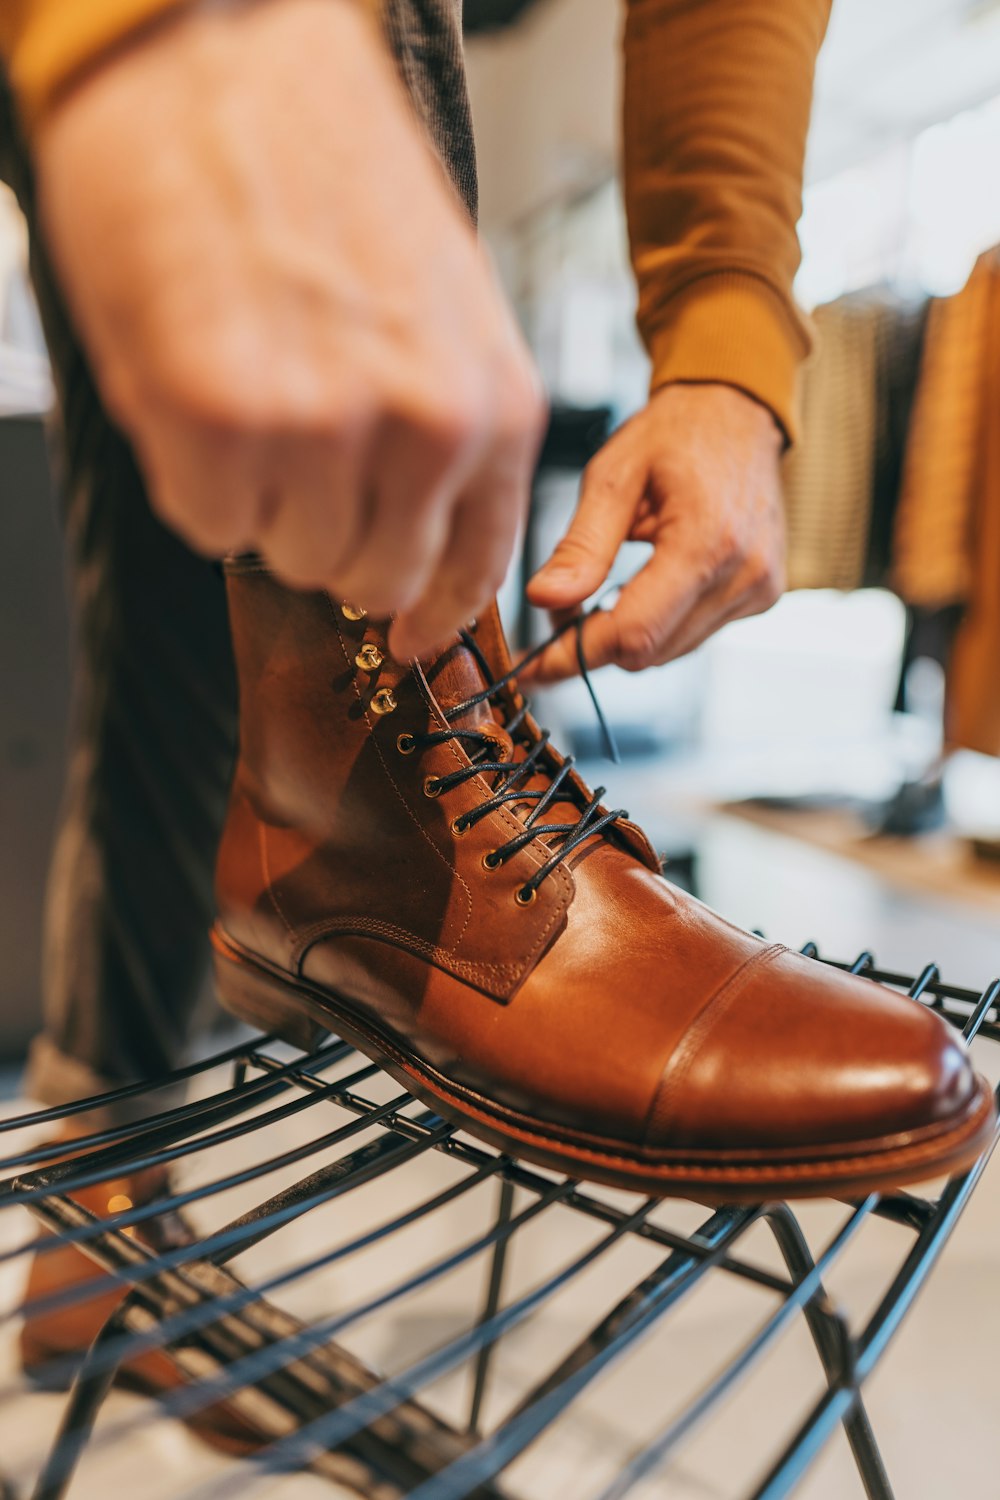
[
  {"x": 731, "y": 328},
  {"x": 61, "y": 38}
]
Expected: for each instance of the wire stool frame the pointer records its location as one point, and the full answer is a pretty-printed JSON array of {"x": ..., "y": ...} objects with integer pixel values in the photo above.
[{"x": 321, "y": 1408}]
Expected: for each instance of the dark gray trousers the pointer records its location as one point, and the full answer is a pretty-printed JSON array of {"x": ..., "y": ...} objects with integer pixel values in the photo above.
[{"x": 129, "y": 899}]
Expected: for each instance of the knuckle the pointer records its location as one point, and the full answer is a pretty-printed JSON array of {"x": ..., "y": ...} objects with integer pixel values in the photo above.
[
  {"x": 203, "y": 393},
  {"x": 293, "y": 570},
  {"x": 219, "y": 532},
  {"x": 519, "y": 408},
  {"x": 226, "y": 401},
  {"x": 728, "y": 547},
  {"x": 766, "y": 580},
  {"x": 600, "y": 473},
  {"x": 173, "y": 514},
  {"x": 637, "y": 646},
  {"x": 346, "y": 420},
  {"x": 447, "y": 424},
  {"x": 468, "y": 593},
  {"x": 529, "y": 401},
  {"x": 210, "y": 532},
  {"x": 707, "y": 572},
  {"x": 769, "y": 594},
  {"x": 301, "y": 561}
]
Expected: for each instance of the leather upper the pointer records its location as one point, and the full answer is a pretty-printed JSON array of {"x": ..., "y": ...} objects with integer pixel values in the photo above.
[{"x": 612, "y": 1006}]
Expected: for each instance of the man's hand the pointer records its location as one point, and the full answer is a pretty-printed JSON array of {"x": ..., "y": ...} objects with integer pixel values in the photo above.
[
  {"x": 287, "y": 311},
  {"x": 696, "y": 474}
]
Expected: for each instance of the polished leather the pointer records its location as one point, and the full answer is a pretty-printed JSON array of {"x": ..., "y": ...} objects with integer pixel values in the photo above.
[{"x": 614, "y": 1013}]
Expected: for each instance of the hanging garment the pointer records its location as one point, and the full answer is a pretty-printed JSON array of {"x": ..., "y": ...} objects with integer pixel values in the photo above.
[
  {"x": 828, "y": 477},
  {"x": 842, "y": 482},
  {"x": 933, "y": 538},
  {"x": 972, "y": 714},
  {"x": 900, "y": 327}
]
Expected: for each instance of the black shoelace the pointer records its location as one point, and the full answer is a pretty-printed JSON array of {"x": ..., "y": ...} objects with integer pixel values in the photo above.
[{"x": 511, "y": 776}]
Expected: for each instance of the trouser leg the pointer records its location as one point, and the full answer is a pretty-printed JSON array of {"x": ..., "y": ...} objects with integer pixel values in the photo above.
[{"x": 153, "y": 738}]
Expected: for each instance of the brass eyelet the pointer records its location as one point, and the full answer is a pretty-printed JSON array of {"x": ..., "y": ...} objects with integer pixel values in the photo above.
[
  {"x": 460, "y": 829},
  {"x": 405, "y": 744},
  {"x": 369, "y": 658},
  {"x": 383, "y": 702},
  {"x": 524, "y": 896},
  {"x": 352, "y": 612},
  {"x": 491, "y": 860},
  {"x": 432, "y": 786}
]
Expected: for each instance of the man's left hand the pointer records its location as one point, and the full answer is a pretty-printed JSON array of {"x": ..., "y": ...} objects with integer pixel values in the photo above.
[{"x": 696, "y": 473}]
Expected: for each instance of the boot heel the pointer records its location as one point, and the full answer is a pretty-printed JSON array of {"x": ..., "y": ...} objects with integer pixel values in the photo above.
[{"x": 254, "y": 996}]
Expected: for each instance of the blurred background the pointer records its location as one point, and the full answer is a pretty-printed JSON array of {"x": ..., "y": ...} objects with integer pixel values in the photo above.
[{"x": 823, "y": 720}]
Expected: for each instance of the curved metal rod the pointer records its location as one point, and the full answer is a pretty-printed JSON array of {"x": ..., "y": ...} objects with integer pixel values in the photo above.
[{"x": 832, "y": 1339}]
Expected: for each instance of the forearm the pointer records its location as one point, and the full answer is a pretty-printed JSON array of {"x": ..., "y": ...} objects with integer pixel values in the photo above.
[{"x": 717, "y": 102}]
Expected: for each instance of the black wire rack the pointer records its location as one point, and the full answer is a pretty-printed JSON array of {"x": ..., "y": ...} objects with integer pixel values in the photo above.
[{"x": 449, "y": 1415}]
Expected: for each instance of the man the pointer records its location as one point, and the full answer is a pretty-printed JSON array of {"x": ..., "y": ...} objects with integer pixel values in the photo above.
[{"x": 281, "y": 300}]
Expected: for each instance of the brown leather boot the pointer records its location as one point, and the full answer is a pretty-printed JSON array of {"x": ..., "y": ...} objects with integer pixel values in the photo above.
[
  {"x": 52, "y": 1341},
  {"x": 408, "y": 863}
]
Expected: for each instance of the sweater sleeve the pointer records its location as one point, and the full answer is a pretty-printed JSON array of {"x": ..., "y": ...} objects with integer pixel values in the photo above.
[
  {"x": 717, "y": 102},
  {"x": 45, "y": 44}
]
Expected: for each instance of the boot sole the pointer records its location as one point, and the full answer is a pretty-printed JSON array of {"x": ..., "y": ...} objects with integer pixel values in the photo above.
[{"x": 302, "y": 1014}]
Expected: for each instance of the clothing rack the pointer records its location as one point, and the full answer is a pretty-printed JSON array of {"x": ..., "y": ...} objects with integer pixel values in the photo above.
[{"x": 322, "y": 1407}]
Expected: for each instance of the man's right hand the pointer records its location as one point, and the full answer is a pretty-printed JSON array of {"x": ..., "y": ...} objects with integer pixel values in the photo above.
[{"x": 287, "y": 311}]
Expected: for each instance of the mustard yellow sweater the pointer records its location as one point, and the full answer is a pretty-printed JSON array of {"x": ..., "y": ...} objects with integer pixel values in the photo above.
[{"x": 717, "y": 97}]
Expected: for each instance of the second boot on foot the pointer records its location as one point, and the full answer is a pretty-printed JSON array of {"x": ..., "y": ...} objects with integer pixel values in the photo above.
[
  {"x": 53, "y": 1342},
  {"x": 409, "y": 863}
]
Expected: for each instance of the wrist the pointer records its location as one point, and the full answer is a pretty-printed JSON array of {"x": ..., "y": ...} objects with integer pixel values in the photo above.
[
  {"x": 730, "y": 328},
  {"x": 726, "y": 408},
  {"x": 64, "y": 44}
]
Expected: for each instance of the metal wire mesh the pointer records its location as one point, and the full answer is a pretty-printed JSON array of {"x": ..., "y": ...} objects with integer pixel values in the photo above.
[{"x": 473, "y": 1397}]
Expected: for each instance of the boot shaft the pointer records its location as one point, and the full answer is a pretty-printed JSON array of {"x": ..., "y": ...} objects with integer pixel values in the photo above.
[{"x": 335, "y": 824}]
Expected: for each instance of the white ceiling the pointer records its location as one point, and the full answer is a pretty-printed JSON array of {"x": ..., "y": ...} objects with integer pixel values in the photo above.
[
  {"x": 545, "y": 92},
  {"x": 890, "y": 68}
]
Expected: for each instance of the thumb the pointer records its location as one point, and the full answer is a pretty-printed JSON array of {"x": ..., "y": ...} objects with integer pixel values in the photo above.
[{"x": 610, "y": 495}]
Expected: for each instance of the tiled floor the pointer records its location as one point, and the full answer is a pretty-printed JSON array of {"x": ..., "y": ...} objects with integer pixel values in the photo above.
[{"x": 932, "y": 1402}]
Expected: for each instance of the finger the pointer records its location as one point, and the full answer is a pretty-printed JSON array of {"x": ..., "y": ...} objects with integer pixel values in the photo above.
[
  {"x": 202, "y": 486},
  {"x": 484, "y": 527},
  {"x": 420, "y": 464},
  {"x": 612, "y": 490},
  {"x": 715, "y": 611},
  {"x": 754, "y": 590},
  {"x": 310, "y": 517},
  {"x": 649, "y": 609},
  {"x": 484, "y": 531}
]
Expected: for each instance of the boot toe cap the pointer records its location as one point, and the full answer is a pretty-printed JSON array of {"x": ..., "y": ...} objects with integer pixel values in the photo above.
[{"x": 805, "y": 1057}]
